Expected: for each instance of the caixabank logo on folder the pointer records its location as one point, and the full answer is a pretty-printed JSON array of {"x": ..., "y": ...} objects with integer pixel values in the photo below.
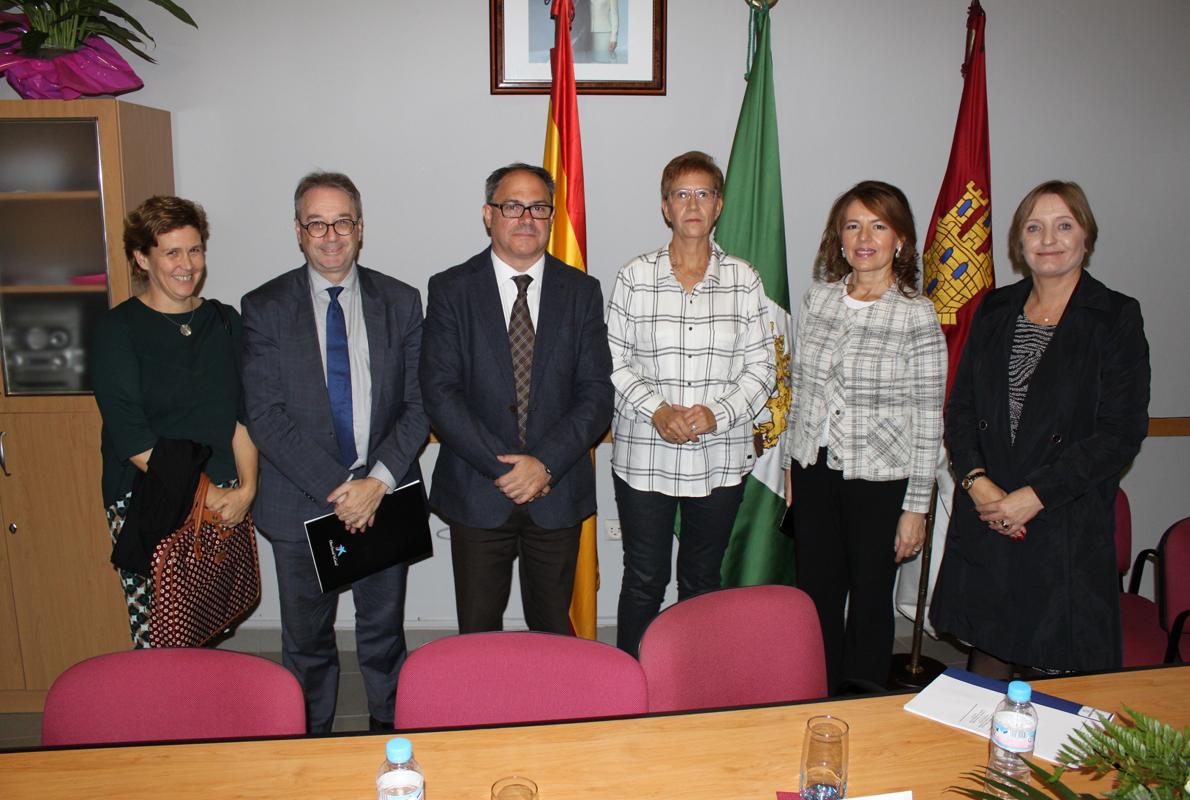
[{"x": 337, "y": 550}]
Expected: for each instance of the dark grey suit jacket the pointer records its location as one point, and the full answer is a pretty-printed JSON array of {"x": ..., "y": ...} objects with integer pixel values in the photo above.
[
  {"x": 289, "y": 413},
  {"x": 470, "y": 394}
]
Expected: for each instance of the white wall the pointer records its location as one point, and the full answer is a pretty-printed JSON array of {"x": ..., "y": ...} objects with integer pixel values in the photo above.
[{"x": 395, "y": 93}]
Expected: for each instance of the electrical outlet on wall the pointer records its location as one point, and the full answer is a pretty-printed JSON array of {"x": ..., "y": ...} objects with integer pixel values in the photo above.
[{"x": 612, "y": 527}]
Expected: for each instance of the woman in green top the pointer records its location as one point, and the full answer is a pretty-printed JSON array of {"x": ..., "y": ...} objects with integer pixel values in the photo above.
[{"x": 165, "y": 365}]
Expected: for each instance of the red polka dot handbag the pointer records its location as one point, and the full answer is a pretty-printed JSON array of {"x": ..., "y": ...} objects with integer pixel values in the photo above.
[{"x": 205, "y": 578}]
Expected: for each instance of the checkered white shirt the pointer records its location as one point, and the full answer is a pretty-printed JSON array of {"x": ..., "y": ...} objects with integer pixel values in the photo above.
[
  {"x": 713, "y": 347},
  {"x": 889, "y": 412}
]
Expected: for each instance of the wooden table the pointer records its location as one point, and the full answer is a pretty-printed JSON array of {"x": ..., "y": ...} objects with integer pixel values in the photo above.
[{"x": 747, "y": 753}]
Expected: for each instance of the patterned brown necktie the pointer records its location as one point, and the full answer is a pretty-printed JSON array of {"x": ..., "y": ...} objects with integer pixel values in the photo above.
[{"x": 520, "y": 343}]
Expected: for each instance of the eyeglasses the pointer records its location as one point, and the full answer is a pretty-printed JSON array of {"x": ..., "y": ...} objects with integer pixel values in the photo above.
[
  {"x": 684, "y": 195},
  {"x": 317, "y": 228},
  {"x": 513, "y": 210}
]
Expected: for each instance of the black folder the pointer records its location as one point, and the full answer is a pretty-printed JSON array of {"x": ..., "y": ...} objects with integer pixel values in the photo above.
[{"x": 400, "y": 535}]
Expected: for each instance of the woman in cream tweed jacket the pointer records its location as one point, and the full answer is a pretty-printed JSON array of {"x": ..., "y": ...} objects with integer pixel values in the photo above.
[{"x": 865, "y": 427}]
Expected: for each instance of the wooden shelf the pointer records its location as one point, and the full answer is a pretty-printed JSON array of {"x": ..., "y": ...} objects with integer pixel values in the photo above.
[
  {"x": 1169, "y": 426},
  {"x": 31, "y": 197},
  {"x": 58, "y": 288}
]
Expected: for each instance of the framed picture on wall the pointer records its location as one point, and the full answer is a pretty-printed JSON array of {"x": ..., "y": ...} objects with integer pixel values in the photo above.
[{"x": 619, "y": 46}]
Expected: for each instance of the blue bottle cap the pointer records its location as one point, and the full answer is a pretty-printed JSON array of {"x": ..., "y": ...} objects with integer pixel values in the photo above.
[
  {"x": 1019, "y": 692},
  {"x": 398, "y": 750}
]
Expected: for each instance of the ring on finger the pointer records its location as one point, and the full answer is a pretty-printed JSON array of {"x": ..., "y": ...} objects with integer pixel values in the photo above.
[{"x": 1004, "y": 524}]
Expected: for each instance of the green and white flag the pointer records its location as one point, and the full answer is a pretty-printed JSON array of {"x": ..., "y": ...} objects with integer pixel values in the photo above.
[{"x": 752, "y": 227}]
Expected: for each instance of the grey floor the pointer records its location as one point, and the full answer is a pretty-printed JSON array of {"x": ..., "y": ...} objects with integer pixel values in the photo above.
[{"x": 24, "y": 730}]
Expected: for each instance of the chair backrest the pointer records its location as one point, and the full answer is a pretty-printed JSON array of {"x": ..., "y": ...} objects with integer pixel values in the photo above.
[
  {"x": 172, "y": 694},
  {"x": 1173, "y": 582},
  {"x": 757, "y": 644},
  {"x": 1123, "y": 534},
  {"x": 515, "y": 676}
]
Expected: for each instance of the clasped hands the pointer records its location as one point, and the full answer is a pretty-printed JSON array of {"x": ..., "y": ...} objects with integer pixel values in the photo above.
[
  {"x": 356, "y": 501},
  {"x": 1006, "y": 513},
  {"x": 680, "y": 424},
  {"x": 526, "y": 481}
]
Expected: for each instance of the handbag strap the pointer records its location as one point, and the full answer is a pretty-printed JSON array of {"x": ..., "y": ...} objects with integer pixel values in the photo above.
[{"x": 198, "y": 509}]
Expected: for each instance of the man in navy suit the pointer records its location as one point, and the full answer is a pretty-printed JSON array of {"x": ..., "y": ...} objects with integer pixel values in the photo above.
[
  {"x": 516, "y": 375},
  {"x": 330, "y": 378}
]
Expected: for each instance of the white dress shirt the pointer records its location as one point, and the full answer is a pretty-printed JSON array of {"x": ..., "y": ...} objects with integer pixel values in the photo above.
[
  {"x": 508, "y": 290},
  {"x": 358, "y": 356}
]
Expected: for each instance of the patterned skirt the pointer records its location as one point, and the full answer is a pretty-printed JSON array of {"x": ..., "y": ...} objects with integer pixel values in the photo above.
[{"x": 138, "y": 589}]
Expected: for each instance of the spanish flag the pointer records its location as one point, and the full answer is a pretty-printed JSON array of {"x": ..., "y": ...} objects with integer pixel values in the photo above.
[{"x": 568, "y": 242}]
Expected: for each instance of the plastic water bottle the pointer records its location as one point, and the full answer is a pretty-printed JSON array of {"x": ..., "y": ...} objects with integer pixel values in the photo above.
[
  {"x": 399, "y": 776},
  {"x": 1014, "y": 729}
]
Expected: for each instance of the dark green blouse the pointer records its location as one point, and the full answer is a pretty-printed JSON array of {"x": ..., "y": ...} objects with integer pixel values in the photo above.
[{"x": 151, "y": 382}]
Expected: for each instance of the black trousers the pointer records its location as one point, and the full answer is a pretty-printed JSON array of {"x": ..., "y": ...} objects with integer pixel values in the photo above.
[
  {"x": 482, "y": 560},
  {"x": 844, "y": 534},
  {"x": 647, "y": 521}
]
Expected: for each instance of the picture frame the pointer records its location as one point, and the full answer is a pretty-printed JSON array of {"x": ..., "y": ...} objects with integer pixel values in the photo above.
[{"x": 633, "y": 62}]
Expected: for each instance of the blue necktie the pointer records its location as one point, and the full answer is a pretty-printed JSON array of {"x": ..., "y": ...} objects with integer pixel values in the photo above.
[{"x": 338, "y": 377}]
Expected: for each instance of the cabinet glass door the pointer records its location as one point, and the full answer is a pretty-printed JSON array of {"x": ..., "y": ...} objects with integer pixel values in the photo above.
[{"x": 53, "y": 256}]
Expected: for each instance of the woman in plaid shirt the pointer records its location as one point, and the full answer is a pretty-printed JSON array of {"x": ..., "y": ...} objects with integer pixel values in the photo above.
[
  {"x": 692, "y": 362},
  {"x": 865, "y": 427}
]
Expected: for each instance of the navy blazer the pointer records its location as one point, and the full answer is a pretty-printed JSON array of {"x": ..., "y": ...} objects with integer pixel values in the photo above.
[
  {"x": 470, "y": 393},
  {"x": 289, "y": 412}
]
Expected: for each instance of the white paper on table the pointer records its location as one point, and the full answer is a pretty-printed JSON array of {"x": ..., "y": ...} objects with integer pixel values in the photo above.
[{"x": 966, "y": 701}]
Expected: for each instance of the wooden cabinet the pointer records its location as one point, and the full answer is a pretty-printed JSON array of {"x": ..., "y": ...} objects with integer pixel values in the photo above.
[{"x": 69, "y": 173}]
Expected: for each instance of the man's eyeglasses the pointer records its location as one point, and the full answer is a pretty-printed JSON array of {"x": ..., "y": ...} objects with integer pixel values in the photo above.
[
  {"x": 317, "y": 228},
  {"x": 701, "y": 195},
  {"x": 517, "y": 210}
]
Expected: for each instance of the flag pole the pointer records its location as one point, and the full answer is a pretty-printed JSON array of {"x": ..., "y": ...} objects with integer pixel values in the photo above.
[
  {"x": 912, "y": 670},
  {"x": 956, "y": 272}
]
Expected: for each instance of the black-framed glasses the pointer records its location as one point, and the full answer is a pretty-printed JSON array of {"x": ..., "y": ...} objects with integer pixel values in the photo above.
[
  {"x": 513, "y": 210},
  {"x": 317, "y": 228}
]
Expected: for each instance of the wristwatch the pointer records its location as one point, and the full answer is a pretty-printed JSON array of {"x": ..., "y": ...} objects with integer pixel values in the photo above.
[{"x": 970, "y": 480}]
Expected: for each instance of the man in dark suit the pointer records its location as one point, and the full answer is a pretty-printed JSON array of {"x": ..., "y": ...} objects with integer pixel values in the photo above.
[
  {"x": 515, "y": 371},
  {"x": 330, "y": 378}
]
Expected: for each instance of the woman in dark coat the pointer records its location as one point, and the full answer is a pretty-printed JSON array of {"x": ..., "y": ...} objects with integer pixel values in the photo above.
[{"x": 1049, "y": 406}]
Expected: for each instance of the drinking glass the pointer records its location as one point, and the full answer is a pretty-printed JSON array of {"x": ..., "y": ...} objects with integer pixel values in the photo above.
[
  {"x": 514, "y": 787},
  {"x": 824, "y": 759}
]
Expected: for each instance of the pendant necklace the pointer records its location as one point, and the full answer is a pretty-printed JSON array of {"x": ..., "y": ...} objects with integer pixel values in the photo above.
[{"x": 183, "y": 327}]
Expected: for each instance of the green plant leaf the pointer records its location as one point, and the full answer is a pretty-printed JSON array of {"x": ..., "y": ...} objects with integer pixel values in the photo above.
[
  {"x": 1020, "y": 790},
  {"x": 176, "y": 10},
  {"x": 115, "y": 10},
  {"x": 131, "y": 43}
]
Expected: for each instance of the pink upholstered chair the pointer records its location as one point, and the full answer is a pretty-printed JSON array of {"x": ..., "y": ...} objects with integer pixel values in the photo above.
[
  {"x": 1143, "y": 638},
  {"x": 1173, "y": 589},
  {"x": 757, "y": 644},
  {"x": 515, "y": 676},
  {"x": 172, "y": 694}
]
